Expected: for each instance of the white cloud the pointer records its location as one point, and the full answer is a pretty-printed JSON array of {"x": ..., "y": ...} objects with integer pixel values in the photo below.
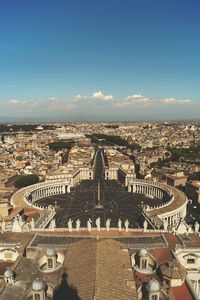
[
  {"x": 97, "y": 102},
  {"x": 101, "y": 96},
  {"x": 108, "y": 97},
  {"x": 78, "y": 97},
  {"x": 13, "y": 101},
  {"x": 53, "y": 98},
  {"x": 95, "y": 96},
  {"x": 135, "y": 97},
  {"x": 173, "y": 101},
  {"x": 136, "y": 100}
]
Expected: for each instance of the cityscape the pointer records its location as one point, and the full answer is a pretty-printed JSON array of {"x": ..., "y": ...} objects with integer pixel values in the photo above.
[
  {"x": 99, "y": 150},
  {"x": 127, "y": 192}
]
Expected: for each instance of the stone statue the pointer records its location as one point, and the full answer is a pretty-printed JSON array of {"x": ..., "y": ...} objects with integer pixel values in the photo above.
[
  {"x": 20, "y": 220},
  {"x": 120, "y": 224},
  {"x": 196, "y": 227},
  {"x": 3, "y": 226},
  {"x": 190, "y": 229},
  {"x": 108, "y": 224},
  {"x": 145, "y": 225},
  {"x": 98, "y": 223},
  {"x": 89, "y": 224},
  {"x": 126, "y": 224},
  {"x": 165, "y": 224},
  {"x": 16, "y": 227},
  {"x": 32, "y": 223},
  {"x": 78, "y": 223},
  {"x": 53, "y": 224},
  {"x": 69, "y": 224}
]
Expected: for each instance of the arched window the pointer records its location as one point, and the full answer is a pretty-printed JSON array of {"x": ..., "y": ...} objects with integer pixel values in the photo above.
[
  {"x": 50, "y": 263},
  {"x": 37, "y": 297},
  {"x": 144, "y": 264}
]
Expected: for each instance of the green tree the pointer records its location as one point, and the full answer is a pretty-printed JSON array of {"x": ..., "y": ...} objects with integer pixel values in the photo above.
[
  {"x": 61, "y": 145},
  {"x": 26, "y": 180}
]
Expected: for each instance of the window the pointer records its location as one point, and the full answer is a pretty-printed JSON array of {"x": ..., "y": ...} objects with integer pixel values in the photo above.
[
  {"x": 190, "y": 261},
  {"x": 144, "y": 264},
  {"x": 50, "y": 263},
  {"x": 154, "y": 297},
  {"x": 37, "y": 297}
]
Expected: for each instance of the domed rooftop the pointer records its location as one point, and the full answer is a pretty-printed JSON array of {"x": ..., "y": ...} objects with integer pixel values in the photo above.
[
  {"x": 38, "y": 285},
  {"x": 153, "y": 285},
  {"x": 51, "y": 251},
  {"x": 143, "y": 252},
  {"x": 8, "y": 273}
]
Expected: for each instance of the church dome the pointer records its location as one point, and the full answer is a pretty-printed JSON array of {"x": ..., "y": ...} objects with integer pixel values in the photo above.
[
  {"x": 143, "y": 252},
  {"x": 38, "y": 285},
  {"x": 8, "y": 273},
  {"x": 153, "y": 285},
  {"x": 51, "y": 251}
]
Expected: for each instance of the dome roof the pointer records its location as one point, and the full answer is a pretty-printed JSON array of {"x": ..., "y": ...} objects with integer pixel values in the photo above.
[
  {"x": 143, "y": 252},
  {"x": 153, "y": 285},
  {"x": 38, "y": 285},
  {"x": 8, "y": 273},
  {"x": 51, "y": 251}
]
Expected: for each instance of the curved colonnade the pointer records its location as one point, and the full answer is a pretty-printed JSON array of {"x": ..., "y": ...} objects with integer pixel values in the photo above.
[
  {"x": 170, "y": 211},
  {"x": 30, "y": 195}
]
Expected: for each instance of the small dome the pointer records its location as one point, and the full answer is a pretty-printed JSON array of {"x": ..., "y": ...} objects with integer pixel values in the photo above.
[
  {"x": 38, "y": 285},
  {"x": 51, "y": 252},
  {"x": 8, "y": 273},
  {"x": 143, "y": 252},
  {"x": 153, "y": 285}
]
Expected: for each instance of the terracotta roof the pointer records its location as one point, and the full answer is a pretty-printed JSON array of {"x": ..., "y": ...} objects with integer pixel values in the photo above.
[
  {"x": 182, "y": 292},
  {"x": 173, "y": 270},
  {"x": 100, "y": 269}
]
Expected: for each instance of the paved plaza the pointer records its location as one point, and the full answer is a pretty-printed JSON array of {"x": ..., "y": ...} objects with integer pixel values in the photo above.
[{"x": 115, "y": 202}]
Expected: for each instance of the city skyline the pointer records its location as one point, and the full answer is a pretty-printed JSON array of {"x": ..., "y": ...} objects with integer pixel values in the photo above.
[{"x": 103, "y": 60}]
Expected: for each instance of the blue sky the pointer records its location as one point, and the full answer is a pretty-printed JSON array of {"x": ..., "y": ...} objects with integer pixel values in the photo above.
[{"x": 100, "y": 59}]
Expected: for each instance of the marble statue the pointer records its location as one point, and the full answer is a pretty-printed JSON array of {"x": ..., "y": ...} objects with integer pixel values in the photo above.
[
  {"x": 53, "y": 224},
  {"x": 145, "y": 225},
  {"x": 120, "y": 224},
  {"x": 32, "y": 223},
  {"x": 89, "y": 224},
  {"x": 108, "y": 224},
  {"x": 78, "y": 224},
  {"x": 165, "y": 224},
  {"x": 69, "y": 224},
  {"x": 98, "y": 223},
  {"x": 126, "y": 224},
  {"x": 20, "y": 220},
  {"x": 196, "y": 227},
  {"x": 3, "y": 226},
  {"x": 16, "y": 227}
]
